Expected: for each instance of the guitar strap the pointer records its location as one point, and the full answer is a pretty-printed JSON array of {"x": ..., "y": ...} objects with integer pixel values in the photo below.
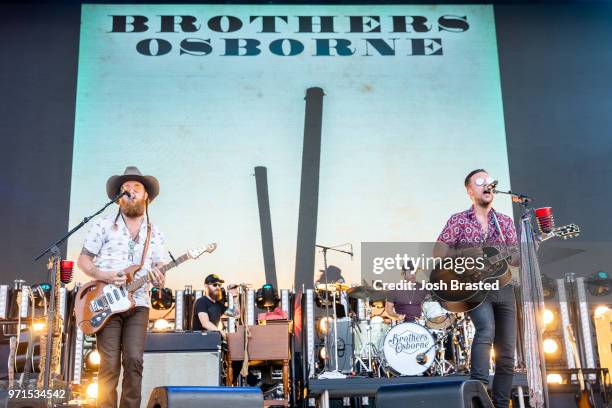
[
  {"x": 499, "y": 228},
  {"x": 146, "y": 247},
  {"x": 514, "y": 278}
]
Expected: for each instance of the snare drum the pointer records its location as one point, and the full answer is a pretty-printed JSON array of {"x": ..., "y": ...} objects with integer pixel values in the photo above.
[
  {"x": 436, "y": 317},
  {"x": 408, "y": 349}
]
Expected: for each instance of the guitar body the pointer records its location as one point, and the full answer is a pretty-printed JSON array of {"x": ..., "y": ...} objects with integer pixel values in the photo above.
[
  {"x": 464, "y": 300},
  {"x": 98, "y": 301}
]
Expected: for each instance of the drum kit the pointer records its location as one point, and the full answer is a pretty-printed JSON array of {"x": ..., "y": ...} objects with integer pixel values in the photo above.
[{"x": 437, "y": 343}]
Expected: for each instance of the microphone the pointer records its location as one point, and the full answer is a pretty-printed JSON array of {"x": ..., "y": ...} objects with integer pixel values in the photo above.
[
  {"x": 422, "y": 358},
  {"x": 491, "y": 186},
  {"x": 121, "y": 194}
]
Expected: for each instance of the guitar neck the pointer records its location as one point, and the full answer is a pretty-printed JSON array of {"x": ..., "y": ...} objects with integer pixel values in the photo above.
[
  {"x": 137, "y": 283},
  {"x": 503, "y": 255}
]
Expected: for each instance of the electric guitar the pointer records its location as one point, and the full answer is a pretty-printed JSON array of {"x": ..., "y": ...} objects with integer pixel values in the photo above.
[
  {"x": 586, "y": 399},
  {"x": 494, "y": 268},
  {"x": 97, "y": 301}
]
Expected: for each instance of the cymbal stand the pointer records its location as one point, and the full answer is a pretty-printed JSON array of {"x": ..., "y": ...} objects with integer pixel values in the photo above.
[
  {"x": 334, "y": 373},
  {"x": 441, "y": 365}
]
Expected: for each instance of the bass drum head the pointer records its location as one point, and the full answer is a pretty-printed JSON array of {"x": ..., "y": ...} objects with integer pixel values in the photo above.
[{"x": 408, "y": 349}]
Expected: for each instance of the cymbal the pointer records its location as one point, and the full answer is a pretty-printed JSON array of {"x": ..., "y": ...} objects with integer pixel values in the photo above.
[
  {"x": 332, "y": 287},
  {"x": 366, "y": 292}
]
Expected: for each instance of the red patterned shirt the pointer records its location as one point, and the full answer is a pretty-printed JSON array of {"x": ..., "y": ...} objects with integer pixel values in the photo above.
[{"x": 463, "y": 230}]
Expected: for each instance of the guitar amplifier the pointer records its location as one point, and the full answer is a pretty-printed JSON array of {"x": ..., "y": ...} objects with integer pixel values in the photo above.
[{"x": 181, "y": 359}]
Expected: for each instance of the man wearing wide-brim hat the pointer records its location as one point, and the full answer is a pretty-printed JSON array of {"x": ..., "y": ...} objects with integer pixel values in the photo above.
[{"x": 114, "y": 243}]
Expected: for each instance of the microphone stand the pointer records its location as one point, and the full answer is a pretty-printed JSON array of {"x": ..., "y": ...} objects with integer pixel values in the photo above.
[
  {"x": 516, "y": 197},
  {"x": 335, "y": 373},
  {"x": 53, "y": 267},
  {"x": 532, "y": 303}
]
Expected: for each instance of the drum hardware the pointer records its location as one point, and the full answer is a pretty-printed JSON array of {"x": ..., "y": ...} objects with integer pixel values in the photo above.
[
  {"x": 336, "y": 287},
  {"x": 367, "y": 350},
  {"x": 441, "y": 366}
]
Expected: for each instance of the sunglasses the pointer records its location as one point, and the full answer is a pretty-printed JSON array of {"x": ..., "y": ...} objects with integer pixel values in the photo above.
[
  {"x": 216, "y": 285},
  {"x": 481, "y": 181}
]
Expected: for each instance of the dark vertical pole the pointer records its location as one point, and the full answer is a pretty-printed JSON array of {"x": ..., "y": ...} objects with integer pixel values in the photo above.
[
  {"x": 309, "y": 190},
  {"x": 265, "y": 224}
]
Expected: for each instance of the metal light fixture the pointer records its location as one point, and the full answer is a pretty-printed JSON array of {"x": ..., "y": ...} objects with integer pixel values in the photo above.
[
  {"x": 161, "y": 299},
  {"x": 599, "y": 283}
]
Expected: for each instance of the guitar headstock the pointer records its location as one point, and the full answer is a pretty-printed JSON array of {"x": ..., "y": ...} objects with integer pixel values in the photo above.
[
  {"x": 195, "y": 253},
  {"x": 567, "y": 231}
]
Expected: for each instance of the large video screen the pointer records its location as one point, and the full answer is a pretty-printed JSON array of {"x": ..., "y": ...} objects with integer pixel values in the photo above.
[{"x": 199, "y": 95}]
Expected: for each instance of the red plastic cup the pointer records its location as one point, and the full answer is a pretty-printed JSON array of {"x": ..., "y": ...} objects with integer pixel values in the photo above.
[
  {"x": 543, "y": 212},
  {"x": 545, "y": 218},
  {"x": 66, "y": 269}
]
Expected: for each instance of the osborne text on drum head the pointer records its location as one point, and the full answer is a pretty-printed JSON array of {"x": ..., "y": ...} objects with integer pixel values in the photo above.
[{"x": 409, "y": 342}]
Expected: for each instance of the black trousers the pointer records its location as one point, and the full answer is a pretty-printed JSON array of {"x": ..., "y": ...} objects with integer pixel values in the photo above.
[
  {"x": 495, "y": 323},
  {"x": 121, "y": 343}
]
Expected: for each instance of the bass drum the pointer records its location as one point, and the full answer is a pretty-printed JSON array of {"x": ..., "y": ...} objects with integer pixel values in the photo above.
[
  {"x": 436, "y": 317},
  {"x": 408, "y": 349}
]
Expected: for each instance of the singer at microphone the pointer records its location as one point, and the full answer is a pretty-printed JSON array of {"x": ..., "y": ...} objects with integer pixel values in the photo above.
[{"x": 491, "y": 186}]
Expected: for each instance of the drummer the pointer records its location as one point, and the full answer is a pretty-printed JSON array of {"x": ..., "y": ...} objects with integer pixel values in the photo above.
[{"x": 406, "y": 305}]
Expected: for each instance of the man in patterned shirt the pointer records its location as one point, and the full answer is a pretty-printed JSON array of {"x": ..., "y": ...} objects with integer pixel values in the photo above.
[
  {"x": 464, "y": 235},
  {"x": 114, "y": 243}
]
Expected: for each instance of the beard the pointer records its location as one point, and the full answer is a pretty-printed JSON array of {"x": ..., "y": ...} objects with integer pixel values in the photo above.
[
  {"x": 215, "y": 294},
  {"x": 133, "y": 208}
]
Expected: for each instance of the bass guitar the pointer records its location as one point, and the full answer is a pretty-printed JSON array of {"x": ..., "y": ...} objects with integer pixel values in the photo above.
[{"x": 97, "y": 301}]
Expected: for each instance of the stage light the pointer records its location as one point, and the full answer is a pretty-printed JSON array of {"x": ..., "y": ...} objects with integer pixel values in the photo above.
[
  {"x": 39, "y": 326},
  {"x": 550, "y": 346},
  {"x": 161, "y": 299},
  {"x": 267, "y": 297},
  {"x": 92, "y": 390},
  {"x": 310, "y": 331},
  {"x": 323, "y": 353},
  {"x": 551, "y": 320},
  {"x": 41, "y": 294},
  {"x": 92, "y": 359},
  {"x": 600, "y": 311},
  {"x": 324, "y": 325},
  {"x": 599, "y": 284},
  {"x": 548, "y": 317},
  {"x": 161, "y": 325},
  {"x": 554, "y": 378}
]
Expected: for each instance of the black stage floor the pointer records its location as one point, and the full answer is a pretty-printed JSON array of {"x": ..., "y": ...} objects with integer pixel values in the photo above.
[{"x": 367, "y": 387}]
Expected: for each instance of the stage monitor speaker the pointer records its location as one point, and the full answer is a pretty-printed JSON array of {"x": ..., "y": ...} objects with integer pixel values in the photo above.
[
  {"x": 447, "y": 394},
  {"x": 205, "y": 397}
]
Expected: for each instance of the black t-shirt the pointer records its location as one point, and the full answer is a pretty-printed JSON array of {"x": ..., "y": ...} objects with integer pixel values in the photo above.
[{"x": 213, "y": 309}]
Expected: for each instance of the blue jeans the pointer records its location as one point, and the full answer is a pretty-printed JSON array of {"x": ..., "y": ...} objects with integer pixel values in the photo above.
[{"x": 495, "y": 323}]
